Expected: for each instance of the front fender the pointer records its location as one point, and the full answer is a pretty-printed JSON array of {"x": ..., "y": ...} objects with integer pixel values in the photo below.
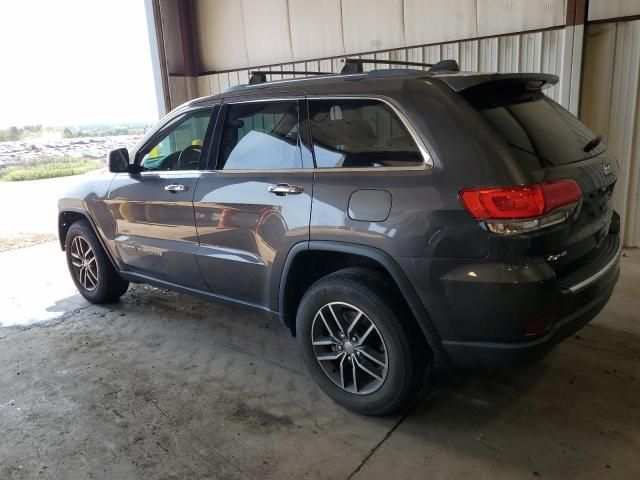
[{"x": 89, "y": 198}]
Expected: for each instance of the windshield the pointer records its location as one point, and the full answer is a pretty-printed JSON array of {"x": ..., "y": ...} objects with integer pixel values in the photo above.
[{"x": 540, "y": 132}]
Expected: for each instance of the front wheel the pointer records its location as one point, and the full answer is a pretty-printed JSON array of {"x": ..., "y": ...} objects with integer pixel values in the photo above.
[
  {"x": 91, "y": 270},
  {"x": 358, "y": 344}
]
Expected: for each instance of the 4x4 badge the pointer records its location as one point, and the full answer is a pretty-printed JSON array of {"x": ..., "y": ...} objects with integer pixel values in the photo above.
[{"x": 606, "y": 168}]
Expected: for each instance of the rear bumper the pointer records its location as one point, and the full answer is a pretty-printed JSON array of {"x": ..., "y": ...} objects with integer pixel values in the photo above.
[
  {"x": 496, "y": 314},
  {"x": 496, "y": 354}
]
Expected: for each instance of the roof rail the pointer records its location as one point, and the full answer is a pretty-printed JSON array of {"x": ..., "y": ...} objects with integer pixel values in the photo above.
[
  {"x": 260, "y": 76},
  {"x": 355, "y": 65}
]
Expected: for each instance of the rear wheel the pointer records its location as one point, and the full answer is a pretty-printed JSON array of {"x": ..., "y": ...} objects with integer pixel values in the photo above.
[
  {"x": 358, "y": 343},
  {"x": 91, "y": 270}
]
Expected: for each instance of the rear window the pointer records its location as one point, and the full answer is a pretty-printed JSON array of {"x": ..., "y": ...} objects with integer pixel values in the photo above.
[{"x": 539, "y": 131}]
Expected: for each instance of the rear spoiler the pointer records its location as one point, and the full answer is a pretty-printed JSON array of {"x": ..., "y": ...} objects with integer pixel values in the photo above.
[{"x": 527, "y": 81}]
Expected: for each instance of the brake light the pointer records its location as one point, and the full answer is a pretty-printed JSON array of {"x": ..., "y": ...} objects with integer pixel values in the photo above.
[{"x": 522, "y": 208}]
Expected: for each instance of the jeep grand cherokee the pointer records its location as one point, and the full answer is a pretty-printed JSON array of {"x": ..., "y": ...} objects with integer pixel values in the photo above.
[{"x": 393, "y": 220}]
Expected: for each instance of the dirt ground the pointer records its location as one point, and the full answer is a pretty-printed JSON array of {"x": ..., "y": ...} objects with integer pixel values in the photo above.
[
  {"x": 162, "y": 385},
  {"x": 21, "y": 240}
]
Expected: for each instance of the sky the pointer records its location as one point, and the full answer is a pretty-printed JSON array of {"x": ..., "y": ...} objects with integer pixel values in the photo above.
[{"x": 74, "y": 62}]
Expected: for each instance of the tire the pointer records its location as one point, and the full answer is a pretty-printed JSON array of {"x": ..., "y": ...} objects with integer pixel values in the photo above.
[
  {"x": 396, "y": 342},
  {"x": 98, "y": 281}
]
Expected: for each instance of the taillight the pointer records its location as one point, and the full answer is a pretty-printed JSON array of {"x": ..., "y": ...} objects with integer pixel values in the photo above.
[{"x": 518, "y": 209}]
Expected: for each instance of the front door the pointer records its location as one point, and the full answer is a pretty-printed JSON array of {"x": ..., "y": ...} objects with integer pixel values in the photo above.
[
  {"x": 153, "y": 209},
  {"x": 254, "y": 203}
]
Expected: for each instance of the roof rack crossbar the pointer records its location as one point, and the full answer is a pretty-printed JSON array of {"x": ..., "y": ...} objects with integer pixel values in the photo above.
[
  {"x": 260, "y": 76},
  {"x": 354, "y": 65}
]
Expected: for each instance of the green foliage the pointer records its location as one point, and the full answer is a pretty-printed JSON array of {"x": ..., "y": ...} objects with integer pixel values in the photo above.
[
  {"x": 10, "y": 134},
  {"x": 105, "y": 130},
  {"x": 13, "y": 134},
  {"x": 48, "y": 167}
]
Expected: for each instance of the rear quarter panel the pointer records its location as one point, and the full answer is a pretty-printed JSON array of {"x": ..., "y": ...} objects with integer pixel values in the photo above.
[
  {"x": 423, "y": 221},
  {"x": 426, "y": 218}
]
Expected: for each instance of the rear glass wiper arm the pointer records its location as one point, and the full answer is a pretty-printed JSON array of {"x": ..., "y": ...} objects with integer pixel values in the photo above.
[{"x": 593, "y": 143}]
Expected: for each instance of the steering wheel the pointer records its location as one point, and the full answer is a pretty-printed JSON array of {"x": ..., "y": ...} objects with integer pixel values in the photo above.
[{"x": 189, "y": 158}]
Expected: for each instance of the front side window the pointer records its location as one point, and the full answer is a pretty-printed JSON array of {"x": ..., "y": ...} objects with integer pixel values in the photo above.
[
  {"x": 360, "y": 134},
  {"x": 181, "y": 145},
  {"x": 260, "y": 136}
]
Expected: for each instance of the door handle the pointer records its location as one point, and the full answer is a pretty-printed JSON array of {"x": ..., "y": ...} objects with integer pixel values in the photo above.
[
  {"x": 175, "y": 187},
  {"x": 282, "y": 189}
]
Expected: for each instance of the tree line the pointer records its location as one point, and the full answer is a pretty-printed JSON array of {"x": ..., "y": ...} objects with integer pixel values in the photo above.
[{"x": 28, "y": 132}]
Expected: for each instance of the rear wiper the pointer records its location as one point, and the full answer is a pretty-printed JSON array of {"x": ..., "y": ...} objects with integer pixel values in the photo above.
[{"x": 593, "y": 143}]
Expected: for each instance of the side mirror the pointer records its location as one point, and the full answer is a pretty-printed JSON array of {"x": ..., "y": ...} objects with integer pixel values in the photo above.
[{"x": 119, "y": 160}]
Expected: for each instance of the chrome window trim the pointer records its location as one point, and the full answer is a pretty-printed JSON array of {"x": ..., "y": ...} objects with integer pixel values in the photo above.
[
  {"x": 173, "y": 173},
  {"x": 426, "y": 156},
  {"x": 261, "y": 171},
  {"x": 230, "y": 101},
  {"x": 423, "y": 167},
  {"x": 323, "y": 170}
]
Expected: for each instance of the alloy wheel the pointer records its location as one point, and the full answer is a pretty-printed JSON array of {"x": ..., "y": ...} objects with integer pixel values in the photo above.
[
  {"x": 85, "y": 264},
  {"x": 349, "y": 348}
]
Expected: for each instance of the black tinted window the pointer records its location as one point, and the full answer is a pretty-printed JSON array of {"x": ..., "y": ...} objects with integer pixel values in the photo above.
[
  {"x": 540, "y": 132},
  {"x": 261, "y": 135},
  {"x": 360, "y": 133}
]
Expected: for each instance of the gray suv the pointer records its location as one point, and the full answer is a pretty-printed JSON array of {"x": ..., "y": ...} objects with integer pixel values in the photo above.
[{"x": 396, "y": 221}]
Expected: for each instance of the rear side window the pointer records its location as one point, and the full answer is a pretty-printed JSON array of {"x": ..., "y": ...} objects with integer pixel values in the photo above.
[
  {"x": 540, "y": 132},
  {"x": 360, "y": 134},
  {"x": 260, "y": 136}
]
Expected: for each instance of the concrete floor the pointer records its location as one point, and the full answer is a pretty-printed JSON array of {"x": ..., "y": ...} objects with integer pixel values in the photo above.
[{"x": 162, "y": 385}]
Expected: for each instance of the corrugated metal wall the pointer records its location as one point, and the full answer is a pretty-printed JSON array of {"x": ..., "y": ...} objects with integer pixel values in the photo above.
[
  {"x": 531, "y": 52},
  {"x": 604, "y": 9},
  {"x": 234, "y": 34},
  {"x": 610, "y": 105}
]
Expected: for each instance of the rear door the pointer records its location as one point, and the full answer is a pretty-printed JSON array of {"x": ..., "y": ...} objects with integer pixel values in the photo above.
[
  {"x": 153, "y": 209},
  {"x": 254, "y": 201}
]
